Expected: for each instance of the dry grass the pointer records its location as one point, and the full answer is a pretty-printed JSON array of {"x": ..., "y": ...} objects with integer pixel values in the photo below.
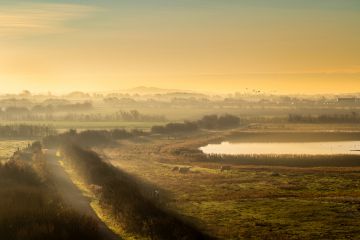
[
  {"x": 8, "y": 147},
  {"x": 103, "y": 214}
]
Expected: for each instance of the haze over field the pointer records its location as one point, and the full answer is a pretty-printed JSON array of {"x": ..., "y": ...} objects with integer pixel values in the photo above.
[
  {"x": 271, "y": 45},
  {"x": 179, "y": 119}
]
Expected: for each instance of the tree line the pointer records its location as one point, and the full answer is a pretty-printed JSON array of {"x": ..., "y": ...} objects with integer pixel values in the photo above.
[
  {"x": 352, "y": 117},
  {"x": 41, "y": 112},
  {"x": 90, "y": 138},
  {"x": 26, "y": 131},
  {"x": 211, "y": 122},
  {"x": 22, "y": 113},
  {"x": 48, "y": 108}
]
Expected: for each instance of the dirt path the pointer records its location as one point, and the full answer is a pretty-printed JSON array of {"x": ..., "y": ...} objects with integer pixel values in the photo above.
[{"x": 72, "y": 196}]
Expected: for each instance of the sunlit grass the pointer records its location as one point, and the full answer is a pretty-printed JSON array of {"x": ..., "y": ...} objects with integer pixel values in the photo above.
[
  {"x": 8, "y": 147},
  {"x": 103, "y": 214}
]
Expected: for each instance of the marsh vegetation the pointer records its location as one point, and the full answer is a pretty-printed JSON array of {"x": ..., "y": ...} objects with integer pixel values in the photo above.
[
  {"x": 150, "y": 177},
  {"x": 256, "y": 197}
]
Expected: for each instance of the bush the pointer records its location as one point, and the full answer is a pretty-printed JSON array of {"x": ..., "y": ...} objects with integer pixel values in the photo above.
[{"x": 222, "y": 122}]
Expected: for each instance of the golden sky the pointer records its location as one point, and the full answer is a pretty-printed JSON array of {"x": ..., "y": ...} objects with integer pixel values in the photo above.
[{"x": 226, "y": 46}]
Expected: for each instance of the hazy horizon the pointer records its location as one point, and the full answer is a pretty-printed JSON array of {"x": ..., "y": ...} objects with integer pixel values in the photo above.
[
  {"x": 155, "y": 90},
  {"x": 222, "y": 46}
]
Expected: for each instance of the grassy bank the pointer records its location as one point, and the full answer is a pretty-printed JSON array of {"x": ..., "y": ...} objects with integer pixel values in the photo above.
[
  {"x": 121, "y": 195},
  {"x": 31, "y": 209}
]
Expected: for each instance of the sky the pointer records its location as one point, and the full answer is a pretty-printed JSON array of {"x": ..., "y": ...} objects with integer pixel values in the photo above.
[{"x": 277, "y": 46}]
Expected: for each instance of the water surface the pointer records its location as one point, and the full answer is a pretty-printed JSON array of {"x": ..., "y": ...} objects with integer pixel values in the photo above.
[{"x": 306, "y": 148}]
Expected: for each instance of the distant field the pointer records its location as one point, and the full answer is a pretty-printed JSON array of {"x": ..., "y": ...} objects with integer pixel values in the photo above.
[
  {"x": 65, "y": 125},
  {"x": 8, "y": 147}
]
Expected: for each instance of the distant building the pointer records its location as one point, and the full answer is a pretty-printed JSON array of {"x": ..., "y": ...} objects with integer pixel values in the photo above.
[{"x": 348, "y": 100}]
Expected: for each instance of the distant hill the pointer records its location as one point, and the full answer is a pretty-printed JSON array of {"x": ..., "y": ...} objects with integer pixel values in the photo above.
[{"x": 153, "y": 90}]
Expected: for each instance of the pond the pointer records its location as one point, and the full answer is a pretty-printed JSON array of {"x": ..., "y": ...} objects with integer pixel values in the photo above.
[{"x": 306, "y": 148}]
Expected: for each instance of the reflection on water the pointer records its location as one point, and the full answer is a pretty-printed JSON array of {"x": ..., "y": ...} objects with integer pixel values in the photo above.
[{"x": 308, "y": 148}]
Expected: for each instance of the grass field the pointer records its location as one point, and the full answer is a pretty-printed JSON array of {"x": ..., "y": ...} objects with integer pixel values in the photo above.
[
  {"x": 8, "y": 147},
  {"x": 247, "y": 202}
]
